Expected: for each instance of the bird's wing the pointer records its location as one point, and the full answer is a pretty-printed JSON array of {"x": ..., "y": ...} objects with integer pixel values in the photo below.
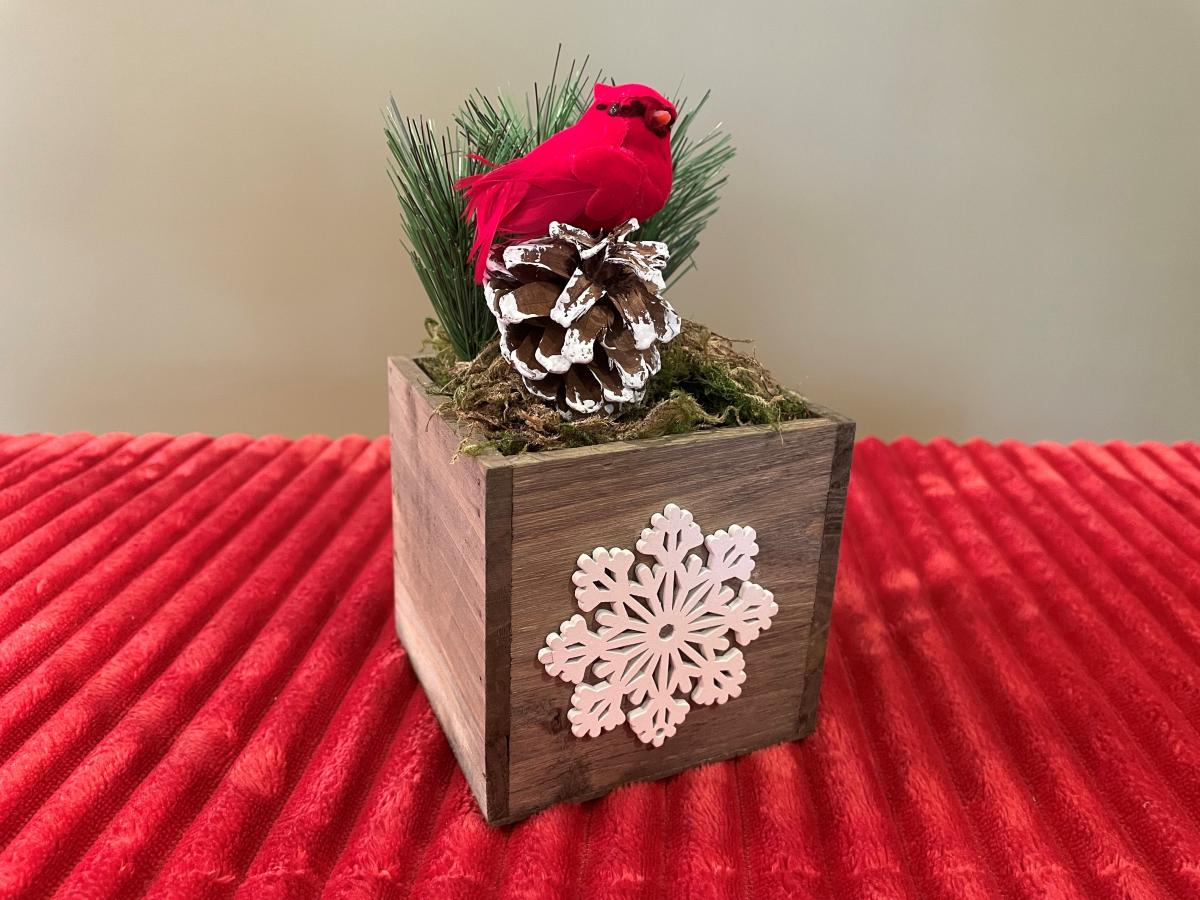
[
  {"x": 617, "y": 176},
  {"x": 548, "y": 197},
  {"x": 591, "y": 187}
]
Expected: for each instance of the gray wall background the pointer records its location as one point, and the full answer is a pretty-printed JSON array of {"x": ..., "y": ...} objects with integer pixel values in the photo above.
[{"x": 946, "y": 217}]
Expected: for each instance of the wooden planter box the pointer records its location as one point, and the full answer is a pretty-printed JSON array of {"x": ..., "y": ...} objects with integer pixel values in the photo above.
[{"x": 485, "y": 548}]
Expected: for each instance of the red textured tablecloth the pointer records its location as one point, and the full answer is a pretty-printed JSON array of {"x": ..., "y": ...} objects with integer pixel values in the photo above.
[{"x": 203, "y": 695}]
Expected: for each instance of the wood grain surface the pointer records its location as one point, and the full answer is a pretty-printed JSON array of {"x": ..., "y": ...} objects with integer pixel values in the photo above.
[
  {"x": 450, "y": 551},
  {"x": 831, "y": 543},
  {"x": 569, "y": 502}
]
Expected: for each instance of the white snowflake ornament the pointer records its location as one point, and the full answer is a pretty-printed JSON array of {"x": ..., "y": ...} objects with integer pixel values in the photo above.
[{"x": 663, "y": 631}]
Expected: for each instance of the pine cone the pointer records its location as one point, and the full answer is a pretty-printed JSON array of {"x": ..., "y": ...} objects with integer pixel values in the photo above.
[{"x": 581, "y": 316}]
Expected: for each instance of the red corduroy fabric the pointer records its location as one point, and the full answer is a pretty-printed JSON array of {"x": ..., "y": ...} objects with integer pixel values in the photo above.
[{"x": 203, "y": 696}]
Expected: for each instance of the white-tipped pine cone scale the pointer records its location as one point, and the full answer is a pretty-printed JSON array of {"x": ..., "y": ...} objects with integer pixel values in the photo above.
[
  {"x": 580, "y": 316},
  {"x": 662, "y": 630}
]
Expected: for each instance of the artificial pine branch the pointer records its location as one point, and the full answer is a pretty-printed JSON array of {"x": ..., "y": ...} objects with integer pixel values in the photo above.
[
  {"x": 424, "y": 166},
  {"x": 698, "y": 167},
  {"x": 425, "y": 163}
]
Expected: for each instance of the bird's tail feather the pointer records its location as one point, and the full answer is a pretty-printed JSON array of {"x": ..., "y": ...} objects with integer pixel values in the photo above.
[{"x": 487, "y": 204}]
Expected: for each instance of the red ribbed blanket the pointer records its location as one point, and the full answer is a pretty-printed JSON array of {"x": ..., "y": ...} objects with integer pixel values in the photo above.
[{"x": 203, "y": 694}]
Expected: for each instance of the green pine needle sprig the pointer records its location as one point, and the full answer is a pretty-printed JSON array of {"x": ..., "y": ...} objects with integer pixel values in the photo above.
[
  {"x": 425, "y": 162},
  {"x": 424, "y": 166},
  {"x": 698, "y": 176}
]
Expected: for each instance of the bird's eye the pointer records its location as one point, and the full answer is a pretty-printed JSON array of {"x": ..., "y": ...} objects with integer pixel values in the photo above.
[{"x": 614, "y": 109}]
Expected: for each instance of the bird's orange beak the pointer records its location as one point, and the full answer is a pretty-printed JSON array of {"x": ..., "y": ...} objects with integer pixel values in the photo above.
[{"x": 660, "y": 118}]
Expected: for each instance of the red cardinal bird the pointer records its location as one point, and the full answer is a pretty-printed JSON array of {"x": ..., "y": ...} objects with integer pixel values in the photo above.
[{"x": 613, "y": 165}]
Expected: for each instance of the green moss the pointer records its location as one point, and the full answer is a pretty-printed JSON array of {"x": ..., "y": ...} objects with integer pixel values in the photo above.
[
  {"x": 732, "y": 387},
  {"x": 438, "y": 360},
  {"x": 704, "y": 382}
]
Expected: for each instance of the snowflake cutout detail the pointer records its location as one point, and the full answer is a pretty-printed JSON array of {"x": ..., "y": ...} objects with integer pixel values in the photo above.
[{"x": 663, "y": 631}]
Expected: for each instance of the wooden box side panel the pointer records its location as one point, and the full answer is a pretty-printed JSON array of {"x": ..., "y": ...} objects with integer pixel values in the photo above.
[
  {"x": 831, "y": 543},
  {"x": 573, "y": 501},
  {"x": 439, "y": 515}
]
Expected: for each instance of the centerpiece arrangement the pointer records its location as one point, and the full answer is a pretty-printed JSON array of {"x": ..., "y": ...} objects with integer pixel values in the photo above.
[{"x": 556, "y": 451}]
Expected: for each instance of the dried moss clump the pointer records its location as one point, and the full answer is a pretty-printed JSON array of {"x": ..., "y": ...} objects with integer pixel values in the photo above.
[{"x": 704, "y": 382}]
